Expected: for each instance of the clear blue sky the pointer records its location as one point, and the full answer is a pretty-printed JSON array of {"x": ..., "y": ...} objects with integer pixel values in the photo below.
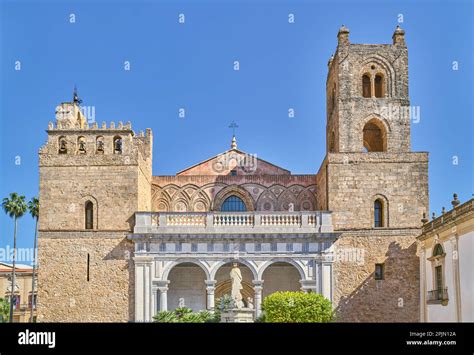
[{"x": 173, "y": 65}]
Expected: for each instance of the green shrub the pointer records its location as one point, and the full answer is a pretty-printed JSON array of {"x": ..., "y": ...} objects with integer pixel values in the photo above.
[
  {"x": 184, "y": 315},
  {"x": 296, "y": 307},
  {"x": 4, "y": 310}
]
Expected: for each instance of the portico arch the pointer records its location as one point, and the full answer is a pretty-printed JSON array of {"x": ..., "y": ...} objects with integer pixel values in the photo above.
[
  {"x": 216, "y": 267},
  {"x": 187, "y": 286},
  {"x": 199, "y": 263},
  {"x": 281, "y": 275},
  {"x": 281, "y": 260}
]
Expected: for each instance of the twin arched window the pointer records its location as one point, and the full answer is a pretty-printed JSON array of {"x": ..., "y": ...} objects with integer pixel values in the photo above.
[
  {"x": 373, "y": 88},
  {"x": 233, "y": 204}
]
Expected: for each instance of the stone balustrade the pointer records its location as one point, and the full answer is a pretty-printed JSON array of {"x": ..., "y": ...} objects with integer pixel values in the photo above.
[{"x": 232, "y": 222}]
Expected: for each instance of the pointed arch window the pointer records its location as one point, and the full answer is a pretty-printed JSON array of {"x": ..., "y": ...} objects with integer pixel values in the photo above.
[
  {"x": 366, "y": 86},
  {"x": 117, "y": 145},
  {"x": 100, "y": 145},
  {"x": 62, "y": 145},
  {"x": 89, "y": 215},
  {"x": 81, "y": 145},
  {"x": 378, "y": 84},
  {"x": 374, "y": 136}
]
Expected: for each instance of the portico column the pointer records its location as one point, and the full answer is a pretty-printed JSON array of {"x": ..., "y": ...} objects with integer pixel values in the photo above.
[
  {"x": 154, "y": 299},
  {"x": 258, "y": 296},
  {"x": 163, "y": 288},
  {"x": 210, "y": 288}
]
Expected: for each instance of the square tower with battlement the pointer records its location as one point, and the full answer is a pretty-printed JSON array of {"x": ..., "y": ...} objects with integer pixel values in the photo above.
[{"x": 92, "y": 181}]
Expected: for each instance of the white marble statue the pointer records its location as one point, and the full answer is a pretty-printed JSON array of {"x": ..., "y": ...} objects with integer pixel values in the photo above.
[
  {"x": 236, "y": 277},
  {"x": 181, "y": 303}
]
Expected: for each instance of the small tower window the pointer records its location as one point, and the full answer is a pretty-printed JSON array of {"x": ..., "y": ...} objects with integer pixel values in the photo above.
[
  {"x": 89, "y": 212},
  {"x": 366, "y": 86},
  {"x": 117, "y": 145},
  {"x": 62, "y": 145},
  {"x": 378, "y": 214},
  {"x": 379, "y": 271},
  {"x": 379, "y": 85},
  {"x": 81, "y": 143},
  {"x": 100, "y": 145},
  {"x": 333, "y": 97},
  {"x": 233, "y": 172},
  {"x": 332, "y": 142}
]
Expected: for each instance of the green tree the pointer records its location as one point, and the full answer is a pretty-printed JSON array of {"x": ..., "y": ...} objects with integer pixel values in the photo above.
[
  {"x": 4, "y": 309},
  {"x": 33, "y": 207},
  {"x": 296, "y": 307},
  {"x": 15, "y": 207}
]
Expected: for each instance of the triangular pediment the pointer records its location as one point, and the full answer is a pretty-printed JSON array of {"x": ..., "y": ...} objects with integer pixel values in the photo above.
[{"x": 234, "y": 160}]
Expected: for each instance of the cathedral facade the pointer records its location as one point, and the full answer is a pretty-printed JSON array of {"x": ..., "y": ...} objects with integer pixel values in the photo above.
[{"x": 118, "y": 244}]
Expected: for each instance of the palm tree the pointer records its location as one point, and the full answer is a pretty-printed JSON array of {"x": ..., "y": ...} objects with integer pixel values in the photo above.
[
  {"x": 33, "y": 207},
  {"x": 15, "y": 207}
]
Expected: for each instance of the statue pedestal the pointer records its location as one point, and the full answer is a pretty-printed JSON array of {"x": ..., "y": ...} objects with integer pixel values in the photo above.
[{"x": 236, "y": 315}]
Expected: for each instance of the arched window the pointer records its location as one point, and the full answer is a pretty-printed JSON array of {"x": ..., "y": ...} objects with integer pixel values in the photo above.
[
  {"x": 117, "y": 145},
  {"x": 100, "y": 145},
  {"x": 374, "y": 136},
  {"x": 438, "y": 250},
  {"x": 378, "y": 214},
  {"x": 62, "y": 145},
  {"x": 378, "y": 84},
  {"x": 366, "y": 86},
  {"x": 81, "y": 145},
  {"x": 89, "y": 213},
  {"x": 233, "y": 204}
]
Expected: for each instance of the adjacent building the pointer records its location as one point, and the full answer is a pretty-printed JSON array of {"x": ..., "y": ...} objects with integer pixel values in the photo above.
[
  {"x": 447, "y": 266},
  {"x": 23, "y": 298}
]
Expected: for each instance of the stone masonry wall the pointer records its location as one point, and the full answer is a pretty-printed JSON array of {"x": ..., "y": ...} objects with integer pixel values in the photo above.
[
  {"x": 356, "y": 180},
  {"x": 65, "y": 294},
  {"x": 358, "y": 297}
]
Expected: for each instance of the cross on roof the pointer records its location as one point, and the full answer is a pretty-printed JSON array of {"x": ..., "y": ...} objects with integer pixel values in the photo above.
[{"x": 233, "y": 125}]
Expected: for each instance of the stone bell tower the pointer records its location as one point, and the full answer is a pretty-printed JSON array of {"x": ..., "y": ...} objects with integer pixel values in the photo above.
[
  {"x": 376, "y": 187},
  {"x": 92, "y": 180},
  {"x": 367, "y": 96}
]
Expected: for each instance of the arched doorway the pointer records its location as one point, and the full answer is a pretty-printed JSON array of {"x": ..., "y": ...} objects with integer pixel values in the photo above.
[
  {"x": 187, "y": 287},
  {"x": 224, "y": 284},
  {"x": 280, "y": 276}
]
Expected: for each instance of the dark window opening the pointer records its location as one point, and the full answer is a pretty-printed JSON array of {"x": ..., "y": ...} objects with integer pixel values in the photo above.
[
  {"x": 89, "y": 215},
  {"x": 233, "y": 172},
  {"x": 366, "y": 86},
  {"x": 88, "y": 266},
  {"x": 378, "y": 86},
  {"x": 439, "y": 278},
  {"x": 379, "y": 271},
  {"x": 378, "y": 214}
]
